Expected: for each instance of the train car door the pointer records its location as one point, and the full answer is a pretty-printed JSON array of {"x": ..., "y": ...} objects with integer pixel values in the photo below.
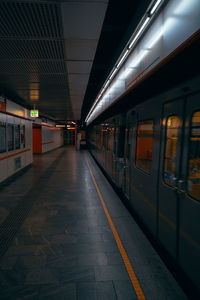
[
  {"x": 127, "y": 154},
  {"x": 188, "y": 189},
  {"x": 170, "y": 163}
]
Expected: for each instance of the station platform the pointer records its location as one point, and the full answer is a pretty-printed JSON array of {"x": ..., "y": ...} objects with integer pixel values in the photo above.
[{"x": 65, "y": 234}]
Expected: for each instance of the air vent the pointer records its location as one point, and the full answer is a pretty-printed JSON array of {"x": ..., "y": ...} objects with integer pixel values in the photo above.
[
  {"x": 31, "y": 49},
  {"x": 21, "y": 20}
]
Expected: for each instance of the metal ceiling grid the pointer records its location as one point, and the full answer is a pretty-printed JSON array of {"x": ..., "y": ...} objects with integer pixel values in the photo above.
[
  {"x": 32, "y": 55},
  {"x": 43, "y": 40}
]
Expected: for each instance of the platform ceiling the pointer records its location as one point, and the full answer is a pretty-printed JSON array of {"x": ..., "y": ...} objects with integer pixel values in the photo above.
[{"x": 56, "y": 54}]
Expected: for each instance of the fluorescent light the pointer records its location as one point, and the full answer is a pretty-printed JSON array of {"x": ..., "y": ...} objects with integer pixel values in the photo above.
[
  {"x": 122, "y": 59},
  {"x": 105, "y": 86},
  {"x": 113, "y": 73},
  {"x": 154, "y": 7},
  {"x": 140, "y": 30}
]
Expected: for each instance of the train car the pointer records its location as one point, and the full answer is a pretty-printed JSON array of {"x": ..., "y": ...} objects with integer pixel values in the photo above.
[
  {"x": 22, "y": 136},
  {"x": 151, "y": 152}
]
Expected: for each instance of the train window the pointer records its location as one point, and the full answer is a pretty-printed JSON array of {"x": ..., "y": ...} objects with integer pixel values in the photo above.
[
  {"x": 17, "y": 136},
  {"x": 2, "y": 137},
  {"x": 144, "y": 145},
  {"x": 10, "y": 137},
  {"x": 171, "y": 143},
  {"x": 104, "y": 138},
  {"x": 193, "y": 180},
  {"x": 23, "y": 142},
  {"x": 110, "y": 139}
]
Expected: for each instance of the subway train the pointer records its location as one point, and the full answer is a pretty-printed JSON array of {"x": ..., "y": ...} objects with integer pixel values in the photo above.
[{"x": 151, "y": 152}]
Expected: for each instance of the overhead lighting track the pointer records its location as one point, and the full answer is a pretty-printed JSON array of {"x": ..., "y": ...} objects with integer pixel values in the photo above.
[
  {"x": 155, "y": 6},
  {"x": 145, "y": 21}
]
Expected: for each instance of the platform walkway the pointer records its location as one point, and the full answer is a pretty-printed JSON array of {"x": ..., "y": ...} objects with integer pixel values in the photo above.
[{"x": 56, "y": 242}]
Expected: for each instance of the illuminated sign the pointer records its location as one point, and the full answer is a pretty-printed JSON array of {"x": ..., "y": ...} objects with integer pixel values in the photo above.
[
  {"x": 60, "y": 125},
  {"x": 34, "y": 113}
]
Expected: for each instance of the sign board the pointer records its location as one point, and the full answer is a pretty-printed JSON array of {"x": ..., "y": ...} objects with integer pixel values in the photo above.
[{"x": 34, "y": 113}]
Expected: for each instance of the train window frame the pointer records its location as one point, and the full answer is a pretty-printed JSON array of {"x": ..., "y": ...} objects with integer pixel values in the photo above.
[
  {"x": 13, "y": 137},
  {"x": 17, "y": 136},
  {"x": 163, "y": 158},
  {"x": 189, "y": 147},
  {"x": 153, "y": 137},
  {"x": 4, "y": 125}
]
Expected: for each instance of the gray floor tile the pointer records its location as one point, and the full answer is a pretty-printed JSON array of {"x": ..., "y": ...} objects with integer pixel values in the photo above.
[
  {"x": 93, "y": 259},
  {"x": 96, "y": 291},
  {"x": 114, "y": 272},
  {"x": 58, "y": 292},
  {"x": 125, "y": 290}
]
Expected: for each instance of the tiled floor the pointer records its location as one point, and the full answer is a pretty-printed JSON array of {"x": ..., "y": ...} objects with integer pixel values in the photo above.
[{"x": 55, "y": 241}]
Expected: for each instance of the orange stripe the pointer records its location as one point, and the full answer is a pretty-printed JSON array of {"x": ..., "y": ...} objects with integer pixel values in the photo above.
[
  {"x": 14, "y": 154},
  {"x": 47, "y": 143},
  {"x": 129, "y": 268}
]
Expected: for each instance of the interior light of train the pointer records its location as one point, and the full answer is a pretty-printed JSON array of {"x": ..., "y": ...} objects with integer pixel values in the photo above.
[
  {"x": 155, "y": 7},
  {"x": 139, "y": 32},
  {"x": 34, "y": 113},
  {"x": 122, "y": 58}
]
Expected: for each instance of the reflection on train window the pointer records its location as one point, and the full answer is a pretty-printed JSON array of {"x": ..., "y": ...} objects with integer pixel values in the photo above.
[
  {"x": 2, "y": 137},
  {"x": 17, "y": 136},
  {"x": 104, "y": 138},
  {"x": 171, "y": 142},
  {"x": 193, "y": 181},
  {"x": 10, "y": 137},
  {"x": 23, "y": 141},
  {"x": 144, "y": 145},
  {"x": 109, "y": 139}
]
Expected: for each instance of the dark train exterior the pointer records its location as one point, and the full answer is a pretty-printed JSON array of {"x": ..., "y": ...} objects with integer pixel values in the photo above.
[{"x": 152, "y": 153}]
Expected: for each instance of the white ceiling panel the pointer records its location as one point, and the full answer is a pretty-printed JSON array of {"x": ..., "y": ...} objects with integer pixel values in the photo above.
[
  {"x": 82, "y": 23},
  {"x": 79, "y": 67},
  {"x": 83, "y": 20},
  {"x": 80, "y": 49},
  {"x": 78, "y": 80}
]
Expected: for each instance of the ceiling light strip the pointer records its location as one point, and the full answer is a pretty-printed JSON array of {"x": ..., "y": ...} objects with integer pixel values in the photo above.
[{"x": 147, "y": 19}]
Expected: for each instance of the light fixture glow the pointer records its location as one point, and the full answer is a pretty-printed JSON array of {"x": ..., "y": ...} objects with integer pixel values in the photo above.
[
  {"x": 122, "y": 59},
  {"x": 113, "y": 73},
  {"x": 155, "y": 7},
  {"x": 155, "y": 38},
  {"x": 107, "y": 83},
  {"x": 136, "y": 60},
  {"x": 125, "y": 73},
  {"x": 140, "y": 30},
  {"x": 110, "y": 86}
]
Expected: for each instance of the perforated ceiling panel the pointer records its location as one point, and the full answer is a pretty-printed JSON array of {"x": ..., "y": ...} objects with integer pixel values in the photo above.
[{"x": 33, "y": 54}]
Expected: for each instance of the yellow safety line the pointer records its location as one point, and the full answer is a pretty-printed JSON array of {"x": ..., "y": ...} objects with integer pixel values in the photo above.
[{"x": 129, "y": 268}]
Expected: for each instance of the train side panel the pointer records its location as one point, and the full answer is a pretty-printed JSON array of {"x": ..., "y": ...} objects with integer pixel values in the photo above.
[{"x": 159, "y": 172}]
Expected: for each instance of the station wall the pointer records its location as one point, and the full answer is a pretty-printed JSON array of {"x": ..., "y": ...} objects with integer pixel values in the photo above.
[{"x": 16, "y": 138}]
